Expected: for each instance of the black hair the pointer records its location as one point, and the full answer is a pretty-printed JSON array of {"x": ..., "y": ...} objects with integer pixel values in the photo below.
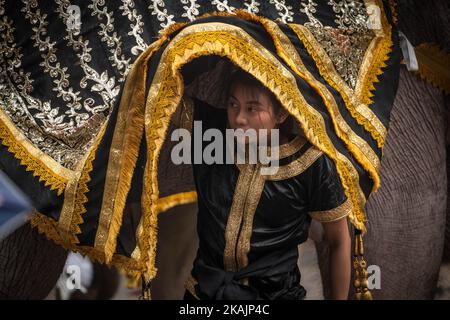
[{"x": 239, "y": 76}]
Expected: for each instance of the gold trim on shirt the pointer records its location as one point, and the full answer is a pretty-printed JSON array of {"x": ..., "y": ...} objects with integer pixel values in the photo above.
[
  {"x": 251, "y": 203},
  {"x": 235, "y": 217},
  {"x": 297, "y": 166},
  {"x": 285, "y": 150},
  {"x": 290, "y": 148},
  {"x": 333, "y": 214},
  {"x": 249, "y": 188}
]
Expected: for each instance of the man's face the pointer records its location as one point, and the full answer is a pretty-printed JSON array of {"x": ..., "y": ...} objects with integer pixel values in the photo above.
[{"x": 250, "y": 108}]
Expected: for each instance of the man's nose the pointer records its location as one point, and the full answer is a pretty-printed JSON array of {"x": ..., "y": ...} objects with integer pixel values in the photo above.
[{"x": 241, "y": 118}]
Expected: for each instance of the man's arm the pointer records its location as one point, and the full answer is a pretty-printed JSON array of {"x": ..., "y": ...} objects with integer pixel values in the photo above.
[{"x": 337, "y": 234}]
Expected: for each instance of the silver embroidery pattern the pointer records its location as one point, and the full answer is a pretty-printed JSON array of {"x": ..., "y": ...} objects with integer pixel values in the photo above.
[
  {"x": 65, "y": 122},
  {"x": 252, "y": 7},
  {"x": 44, "y": 129},
  {"x": 310, "y": 9},
  {"x": 223, "y": 6},
  {"x": 157, "y": 8},
  {"x": 344, "y": 49},
  {"x": 346, "y": 44},
  {"x": 65, "y": 137},
  {"x": 102, "y": 83},
  {"x": 110, "y": 37},
  {"x": 284, "y": 11},
  {"x": 12, "y": 77},
  {"x": 350, "y": 15},
  {"x": 191, "y": 10},
  {"x": 129, "y": 10},
  {"x": 50, "y": 63}
]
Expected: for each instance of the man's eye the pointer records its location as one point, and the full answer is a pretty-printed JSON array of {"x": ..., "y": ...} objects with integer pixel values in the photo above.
[
  {"x": 252, "y": 109},
  {"x": 232, "y": 105}
]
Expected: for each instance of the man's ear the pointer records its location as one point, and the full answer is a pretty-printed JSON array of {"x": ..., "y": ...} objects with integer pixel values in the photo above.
[{"x": 282, "y": 116}]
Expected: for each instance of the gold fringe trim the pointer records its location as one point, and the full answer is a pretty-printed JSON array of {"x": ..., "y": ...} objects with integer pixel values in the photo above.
[
  {"x": 126, "y": 139},
  {"x": 380, "y": 56},
  {"x": 357, "y": 103},
  {"x": 167, "y": 32},
  {"x": 434, "y": 65},
  {"x": 49, "y": 228},
  {"x": 150, "y": 223},
  {"x": 38, "y": 167},
  {"x": 108, "y": 240},
  {"x": 173, "y": 200},
  {"x": 82, "y": 189},
  {"x": 69, "y": 239},
  {"x": 75, "y": 195},
  {"x": 31, "y": 162},
  {"x": 393, "y": 6},
  {"x": 369, "y": 122}
]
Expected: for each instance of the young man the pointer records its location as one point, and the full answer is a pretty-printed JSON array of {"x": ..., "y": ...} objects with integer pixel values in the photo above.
[{"x": 249, "y": 224}]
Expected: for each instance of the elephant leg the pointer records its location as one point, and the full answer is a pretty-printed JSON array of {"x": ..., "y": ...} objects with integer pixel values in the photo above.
[
  {"x": 443, "y": 289},
  {"x": 446, "y": 256},
  {"x": 30, "y": 265},
  {"x": 176, "y": 250},
  {"x": 406, "y": 217}
]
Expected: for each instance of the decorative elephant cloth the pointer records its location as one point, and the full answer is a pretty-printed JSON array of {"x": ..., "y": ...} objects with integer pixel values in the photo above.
[{"x": 87, "y": 98}]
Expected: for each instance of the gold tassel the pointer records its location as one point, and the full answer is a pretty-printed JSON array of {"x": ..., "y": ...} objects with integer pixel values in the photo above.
[
  {"x": 145, "y": 294},
  {"x": 360, "y": 283}
]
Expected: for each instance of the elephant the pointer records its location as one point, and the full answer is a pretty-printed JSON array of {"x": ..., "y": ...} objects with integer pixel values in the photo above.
[
  {"x": 408, "y": 227},
  {"x": 407, "y": 215},
  {"x": 408, "y": 218}
]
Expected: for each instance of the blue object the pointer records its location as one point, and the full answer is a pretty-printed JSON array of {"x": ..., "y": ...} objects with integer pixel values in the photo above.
[{"x": 15, "y": 207}]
